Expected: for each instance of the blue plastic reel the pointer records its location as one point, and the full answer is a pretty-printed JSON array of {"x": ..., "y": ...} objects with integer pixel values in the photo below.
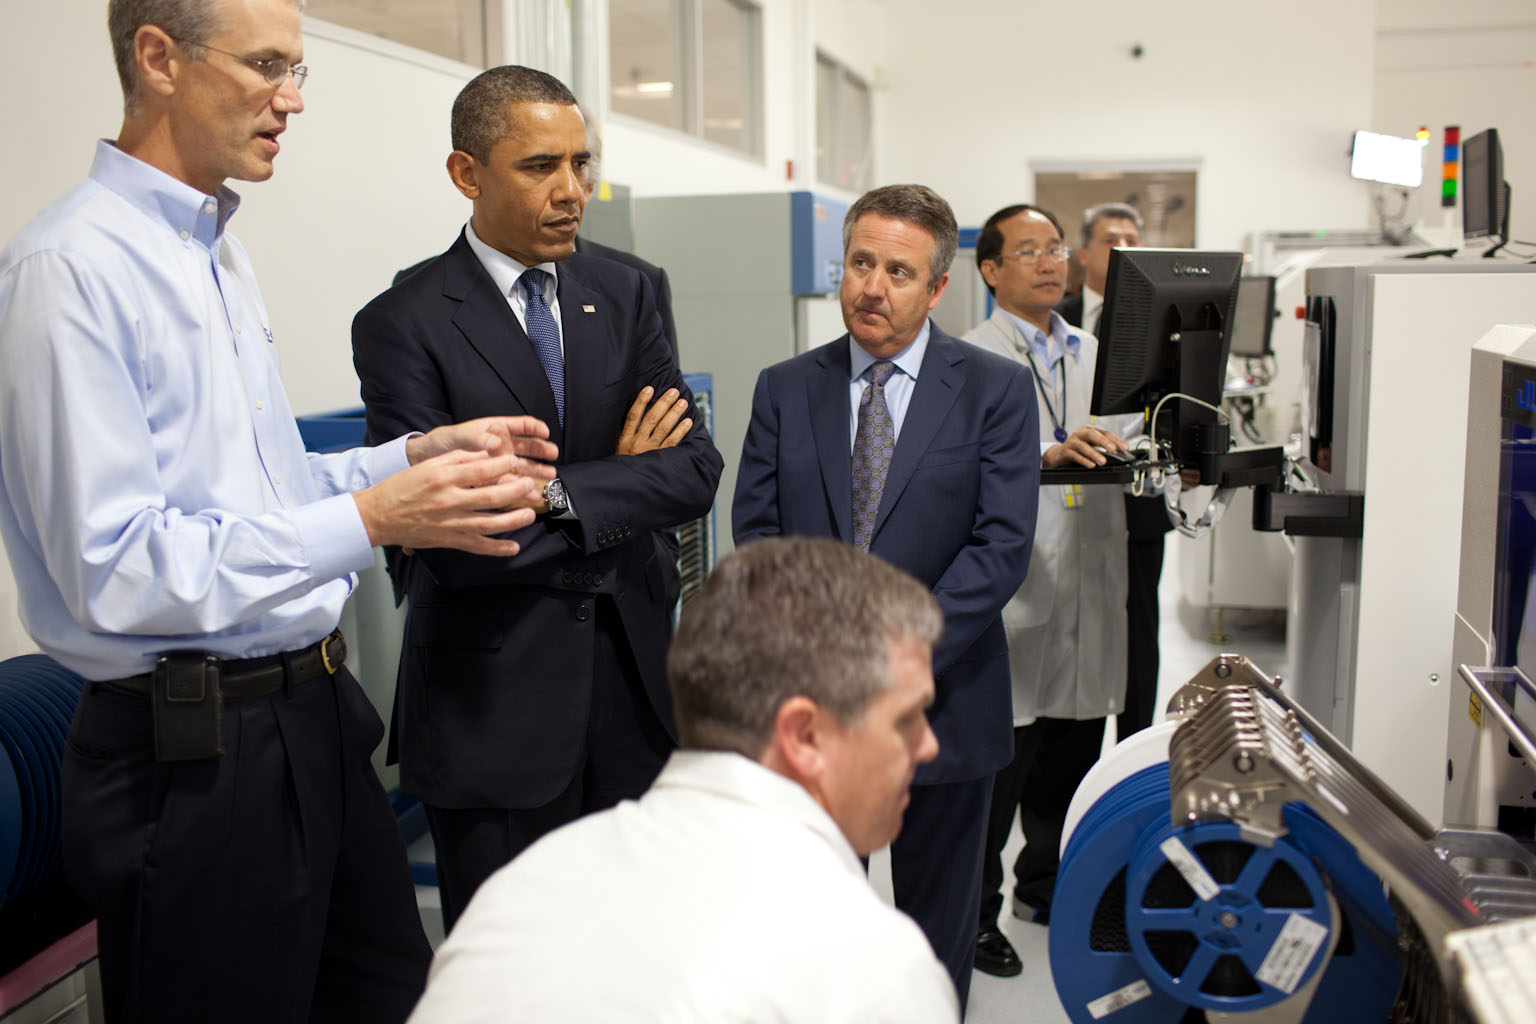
[{"x": 1130, "y": 941}]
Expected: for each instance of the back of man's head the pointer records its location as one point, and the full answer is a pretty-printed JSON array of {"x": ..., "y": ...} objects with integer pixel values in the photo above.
[
  {"x": 482, "y": 112},
  {"x": 594, "y": 173},
  {"x": 785, "y": 617}
]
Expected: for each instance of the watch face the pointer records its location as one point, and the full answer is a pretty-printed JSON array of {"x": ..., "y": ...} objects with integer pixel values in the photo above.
[{"x": 554, "y": 496}]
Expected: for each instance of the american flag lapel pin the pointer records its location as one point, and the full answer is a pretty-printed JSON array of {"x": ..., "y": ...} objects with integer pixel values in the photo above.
[{"x": 588, "y": 309}]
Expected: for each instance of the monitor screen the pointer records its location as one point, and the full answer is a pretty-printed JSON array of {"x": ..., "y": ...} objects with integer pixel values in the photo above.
[
  {"x": 1484, "y": 199},
  {"x": 1255, "y": 316},
  {"x": 1388, "y": 159},
  {"x": 1165, "y": 328}
]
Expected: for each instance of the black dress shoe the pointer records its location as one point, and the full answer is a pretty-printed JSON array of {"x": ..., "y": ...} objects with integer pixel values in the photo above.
[{"x": 995, "y": 955}]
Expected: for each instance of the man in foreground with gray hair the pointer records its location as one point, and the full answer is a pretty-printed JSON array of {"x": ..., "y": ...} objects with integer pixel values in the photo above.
[{"x": 732, "y": 890}]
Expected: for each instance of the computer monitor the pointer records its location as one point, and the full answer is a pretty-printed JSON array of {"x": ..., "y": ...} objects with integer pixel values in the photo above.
[
  {"x": 1388, "y": 159},
  {"x": 1485, "y": 195},
  {"x": 1254, "y": 318},
  {"x": 1166, "y": 328}
]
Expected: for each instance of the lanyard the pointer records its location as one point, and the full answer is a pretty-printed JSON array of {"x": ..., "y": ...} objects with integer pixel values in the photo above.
[{"x": 1059, "y": 422}]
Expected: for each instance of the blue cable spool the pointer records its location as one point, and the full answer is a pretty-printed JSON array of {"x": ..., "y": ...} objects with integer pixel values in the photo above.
[
  {"x": 11, "y": 826},
  {"x": 37, "y": 700},
  {"x": 1130, "y": 938},
  {"x": 20, "y": 737}
]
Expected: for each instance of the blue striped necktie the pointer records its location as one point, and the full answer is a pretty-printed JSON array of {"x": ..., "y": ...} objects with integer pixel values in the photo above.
[{"x": 545, "y": 335}]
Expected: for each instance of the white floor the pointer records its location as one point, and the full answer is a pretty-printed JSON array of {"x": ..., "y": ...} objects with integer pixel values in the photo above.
[{"x": 1187, "y": 643}]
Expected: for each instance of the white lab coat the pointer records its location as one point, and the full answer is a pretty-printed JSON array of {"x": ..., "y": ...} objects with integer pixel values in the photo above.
[{"x": 1066, "y": 625}]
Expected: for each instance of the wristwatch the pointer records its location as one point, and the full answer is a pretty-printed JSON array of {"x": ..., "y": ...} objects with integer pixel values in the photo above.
[{"x": 555, "y": 499}]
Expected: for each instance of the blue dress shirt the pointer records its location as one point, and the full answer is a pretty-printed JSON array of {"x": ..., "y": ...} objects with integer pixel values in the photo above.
[
  {"x": 1045, "y": 353},
  {"x": 154, "y": 491},
  {"x": 898, "y": 390}
]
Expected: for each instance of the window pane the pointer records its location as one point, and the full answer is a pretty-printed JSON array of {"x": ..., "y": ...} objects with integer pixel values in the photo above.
[
  {"x": 454, "y": 29},
  {"x": 643, "y": 64},
  {"x": 828, "y": 80},
  {"x": 857, "y": 121},
  {"x": 844, "y": 119},
  {"x": 728, "y": 63}
]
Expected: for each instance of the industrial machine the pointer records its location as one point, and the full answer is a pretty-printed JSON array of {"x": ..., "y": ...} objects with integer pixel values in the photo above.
[
  {"x": 1375, "y": 517},
  {"x": 1238, "y": 862},
  {"x": 754, "y": 281},
  {"x": 1241, "y": 860}
]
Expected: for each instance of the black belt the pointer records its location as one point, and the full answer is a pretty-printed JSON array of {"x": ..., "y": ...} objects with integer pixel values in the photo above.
[{"x": 245, "y": 678}]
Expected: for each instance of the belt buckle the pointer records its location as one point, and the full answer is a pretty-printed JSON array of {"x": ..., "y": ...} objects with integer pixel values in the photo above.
[{"x": 332, "y": 667}]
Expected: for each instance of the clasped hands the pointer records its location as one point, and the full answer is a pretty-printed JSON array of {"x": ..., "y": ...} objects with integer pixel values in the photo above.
[{"x": 470, "y": 483}]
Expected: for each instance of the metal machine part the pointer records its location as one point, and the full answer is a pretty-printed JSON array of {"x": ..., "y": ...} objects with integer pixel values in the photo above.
[
  {"x": 1263, "y": 873},
  {"x": 1246, "y": 749}
]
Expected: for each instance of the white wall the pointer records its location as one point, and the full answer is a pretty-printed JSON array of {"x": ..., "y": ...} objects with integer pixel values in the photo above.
[
  {"x": 1265, "y": 95},
  {"x": 1473, "y": 65}
]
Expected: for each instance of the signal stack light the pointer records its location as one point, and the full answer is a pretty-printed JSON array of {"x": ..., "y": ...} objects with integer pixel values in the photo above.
[{"x": 1450, "y": 169}]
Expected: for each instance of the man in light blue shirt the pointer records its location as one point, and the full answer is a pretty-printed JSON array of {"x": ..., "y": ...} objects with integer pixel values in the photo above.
[{"x": 175, "y": 545}]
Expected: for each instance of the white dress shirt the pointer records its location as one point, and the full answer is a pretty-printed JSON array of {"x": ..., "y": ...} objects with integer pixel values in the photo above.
[
  {"x": 724, "y": 894},
  {"x": 1093, "y": 305},
  {"x": 507, "y": 273}
]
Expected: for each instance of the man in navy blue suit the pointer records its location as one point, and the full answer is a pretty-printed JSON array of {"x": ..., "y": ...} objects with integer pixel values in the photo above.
[
  {"x": 922, "y": 449},
  {"x": 533, "y": 690}
]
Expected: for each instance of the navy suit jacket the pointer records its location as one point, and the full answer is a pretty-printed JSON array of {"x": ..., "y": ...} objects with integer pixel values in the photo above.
[
  {"x": 495, "y": 677},
  {"x": 657, "y": 276},
  {"x": 957, "y": 512}
]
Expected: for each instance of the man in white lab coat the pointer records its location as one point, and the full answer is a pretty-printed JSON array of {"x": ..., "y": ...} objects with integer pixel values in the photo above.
[
  {"x": 1066, "y": 625},
  {"x": 732, "y": 890}
]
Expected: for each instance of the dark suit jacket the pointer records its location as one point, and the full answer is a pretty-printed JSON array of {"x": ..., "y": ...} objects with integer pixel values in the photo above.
[
  {"x": 662, "y": 289},
  {"x": 1071, "y": 309},
  {"x": 652, "y": 273},
  {"x": 496, "y": 670},
  {"x": 957, "y": 512}
]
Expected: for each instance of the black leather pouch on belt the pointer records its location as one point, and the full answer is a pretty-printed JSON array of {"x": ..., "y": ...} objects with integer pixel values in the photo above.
[{"x": 188, "y": 706}]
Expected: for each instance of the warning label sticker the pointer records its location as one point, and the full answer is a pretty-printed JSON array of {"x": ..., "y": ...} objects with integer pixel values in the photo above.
[
  {"x": 1292, "y": 952},
  {"x": 1193, "y": 871},
  {"x": 1135, "y": 992}
]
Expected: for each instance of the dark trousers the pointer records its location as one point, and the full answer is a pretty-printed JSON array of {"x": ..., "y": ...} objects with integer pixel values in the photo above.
[
  {"x": 266, "y": 885},
  {"x": 626, "y": 747},
  {"x": 1050, "y": 758},
  {"x": 935, "y": 874},
  {"x": 1144, "y": 564}
]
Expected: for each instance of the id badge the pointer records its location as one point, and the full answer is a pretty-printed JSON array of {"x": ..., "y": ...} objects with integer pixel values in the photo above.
[{"x": 1071, "y": 495}]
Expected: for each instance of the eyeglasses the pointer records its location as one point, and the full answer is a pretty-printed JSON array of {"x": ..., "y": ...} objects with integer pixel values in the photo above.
[
  {"x": 272, "y": 71},
  {"x": 1056, "y": 254}
]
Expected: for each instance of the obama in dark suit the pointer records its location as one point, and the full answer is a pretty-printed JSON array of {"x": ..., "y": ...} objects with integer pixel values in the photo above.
[
  {"x": 924, "y": 450},
  {"x": 533, "y": 689}
]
